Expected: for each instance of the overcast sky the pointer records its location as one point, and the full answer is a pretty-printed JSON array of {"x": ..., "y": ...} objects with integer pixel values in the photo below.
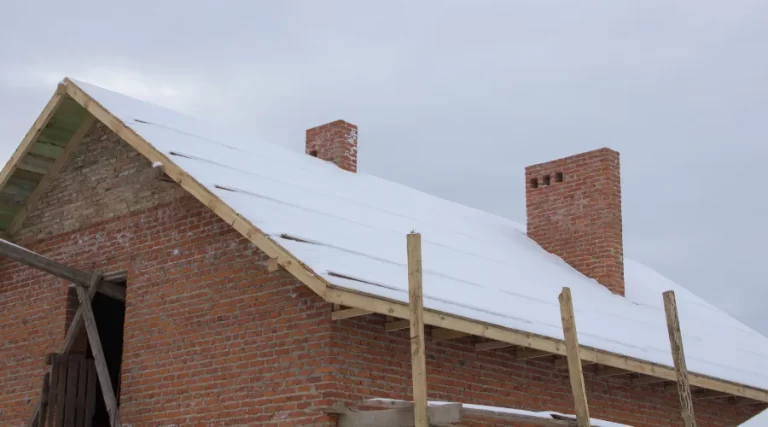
[{"x": 456, "y": 97}]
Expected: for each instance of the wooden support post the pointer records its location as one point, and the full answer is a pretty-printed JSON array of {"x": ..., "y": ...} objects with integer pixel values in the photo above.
[
  {"x": 98, "y": 352},
  {"x": 574, "y": 360},
  {"x": 678, "y": 355},
  {"x": 418, "y": 358},
  {"x": 44, "y": 399}
]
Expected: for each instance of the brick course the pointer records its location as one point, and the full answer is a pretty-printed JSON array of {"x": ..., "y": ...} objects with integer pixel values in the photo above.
[{"x": 212, "y": 338}]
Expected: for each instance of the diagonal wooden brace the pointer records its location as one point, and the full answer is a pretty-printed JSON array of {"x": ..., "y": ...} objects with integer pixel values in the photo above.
[{"x": 98, "y": 352}]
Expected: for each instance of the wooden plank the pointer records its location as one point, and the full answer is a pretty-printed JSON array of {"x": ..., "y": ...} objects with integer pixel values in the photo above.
[
  {"x": 53, "y": 391},
  {"x": 32, "y": 134},
  {"x": 710, "y": 394},
  {"x": 82, "y": 385},
  {"x": 90, "y": 397},
  {"x": 44, "y": 149},
  {"x": 32, "y": 259},
  {"x": 53, "y": 171},
  {"x": 350, "y": 298},
  {"x": 98, "y": 354},
  {"x": 562, "y": 363},
  {"x": 609, "y": 371},
  {"x": 348, "y": 313},
  {"x": 678, "y": 355},
  {"x": 491, "y": 345},
  {"x": 574, "y": 362},
  {"x": 61, "y": 394},
  {"x": 35, "y": 164},
  {"x": 440, "y": 334},
  {"x": 397, "y": 325},
  {"x": 418, "y": 358},
  {"x": 44, "y": 399},
  {"x": 442, "y": 415},
  {"x": 70, "y": 406}
]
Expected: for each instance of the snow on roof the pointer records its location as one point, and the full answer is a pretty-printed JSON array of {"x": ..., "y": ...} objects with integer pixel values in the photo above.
[{"x": 350, "y": 229}]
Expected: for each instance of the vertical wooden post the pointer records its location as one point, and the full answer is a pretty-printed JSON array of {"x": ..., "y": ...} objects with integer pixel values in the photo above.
[
  {"x": 44, "y": 399},
  {"x": 574, "y": 360},
  {"x": 678, "y": 355},
  {"x": 418, "y": 358}
]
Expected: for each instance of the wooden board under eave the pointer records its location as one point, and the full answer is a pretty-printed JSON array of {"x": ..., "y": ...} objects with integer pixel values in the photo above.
[{"x": 39, "y": 159}]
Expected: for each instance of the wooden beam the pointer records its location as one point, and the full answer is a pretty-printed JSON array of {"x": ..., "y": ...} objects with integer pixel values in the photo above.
[
  {"x": 272, "y": 265},
  {"x": 348, "y": 313},
  {"x": 98, "y": 352},
  {"x": 710, "y": 394},
  {"x": 35, "y": 260},
  {"x": 491, "y": 345},
  {"x": 47, "y": 179},
  {"x": 418, "y": 358},
  {"x": 440, "y": 334},
  {"x": 574, "y": 362},
  {"x": 397, "y": 325},
  {"x": 678, "y": 355},
  {"x": 562, "y": 363},
  {"x": 441, "y": 415},
  {"x": 32, "y": 134}
]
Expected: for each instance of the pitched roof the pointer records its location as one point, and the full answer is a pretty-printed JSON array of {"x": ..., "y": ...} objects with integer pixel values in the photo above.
[{"x": 343, "y": 234}]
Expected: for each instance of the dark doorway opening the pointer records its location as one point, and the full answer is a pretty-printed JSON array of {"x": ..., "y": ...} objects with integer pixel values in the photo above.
[{"x": 110, "y": 320}]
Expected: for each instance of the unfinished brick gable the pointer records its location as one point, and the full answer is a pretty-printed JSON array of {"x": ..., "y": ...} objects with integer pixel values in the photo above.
[
  {"x": 210, "y": 335},
  {"x": 574, "y": 211},
  {"x": 104, "y": 178}
]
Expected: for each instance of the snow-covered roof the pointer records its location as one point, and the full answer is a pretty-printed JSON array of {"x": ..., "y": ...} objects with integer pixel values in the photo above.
[
  {"x": 350, "y": 230},
  {"x": 760, "y": 420}
]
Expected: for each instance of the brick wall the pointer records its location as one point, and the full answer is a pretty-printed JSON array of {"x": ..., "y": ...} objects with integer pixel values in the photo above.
[
  {"x": 574, "y": 211},
  {"x": 335, "y": 142},
  {"x": 377, "y": 364},
  {"x": 210, "y": 335}
]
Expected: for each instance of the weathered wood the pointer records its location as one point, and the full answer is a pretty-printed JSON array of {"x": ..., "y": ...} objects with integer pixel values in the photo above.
[
  {"x": 32, "y": 259},
  {"x": 98, "y": 354},
  {"x": 44, "y": 399},
  {"x": 609, "y": 371},
  {"x": 82, "y": 385},
  {"x": 574, "y": 361},
  {"x": 526, "y": 353},
  {"x": 678, "y": 356},
  {"x": 418, "y": 358},
  {"x": 645, "y": 380},
  {"x": 491, "y": 345},
  {"x": 70, "y": 404},
  {"x": 90, "y": 397},
  {"x": 397, "y": 325},
  {"x": 52, "y": 171},
  {"x": 400, "y": 417},
  {"x": 61, "y": 395},
  {"x": 440, "y": 334},
  {"x": 75, "y": 326},
  {"x": 53, "y": 391},
  {"x": 710, "y": 394},
  {"x": 348, "y": 313}
]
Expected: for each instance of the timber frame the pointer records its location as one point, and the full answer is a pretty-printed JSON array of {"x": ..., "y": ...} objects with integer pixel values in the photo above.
[{"x": 363, "y": 304}]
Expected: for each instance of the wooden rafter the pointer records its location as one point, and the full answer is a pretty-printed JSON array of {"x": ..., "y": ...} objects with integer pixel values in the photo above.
[
  {"x": 440, "y": 334},
  {"x": 397, "y": 325},
  {"x": 350, "y": 298},
  {"x": 348, "y": 313},
  {"x": 492, "y": 345}
]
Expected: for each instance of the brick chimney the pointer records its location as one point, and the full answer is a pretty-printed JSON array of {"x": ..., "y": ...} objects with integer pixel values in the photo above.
[
  {"x": 574, "y": 211},
  {"x": 334, "y": 142}
]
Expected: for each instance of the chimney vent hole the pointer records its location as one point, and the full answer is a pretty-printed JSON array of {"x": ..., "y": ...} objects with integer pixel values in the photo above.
[
  {"x": 546, "y": 179},
  {"x": 559, "y": 177},
  {"x": 534, "y": 183},
  {"x": 313, "y": 153}
]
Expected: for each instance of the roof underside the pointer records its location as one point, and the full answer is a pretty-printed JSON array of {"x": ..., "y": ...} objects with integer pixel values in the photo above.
[{"x": 350, "y": 229}]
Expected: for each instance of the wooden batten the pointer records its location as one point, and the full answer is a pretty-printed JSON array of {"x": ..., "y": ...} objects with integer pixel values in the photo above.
[
  {"x": 397, "y": 325},
  {"x": 348, "y": 313},
  {"x": 440, "y": 334}
]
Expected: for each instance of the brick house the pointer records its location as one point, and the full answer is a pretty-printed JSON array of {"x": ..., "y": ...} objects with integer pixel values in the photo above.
[{"x": 257, "y": 286}]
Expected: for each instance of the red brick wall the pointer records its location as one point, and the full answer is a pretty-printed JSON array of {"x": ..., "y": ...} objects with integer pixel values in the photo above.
[
  {"x": 377, "y": 364},
  {"x": 335, "y": 142},
  {"x": 574, "y": 211},
  {"x": 210, "y": 335}
]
